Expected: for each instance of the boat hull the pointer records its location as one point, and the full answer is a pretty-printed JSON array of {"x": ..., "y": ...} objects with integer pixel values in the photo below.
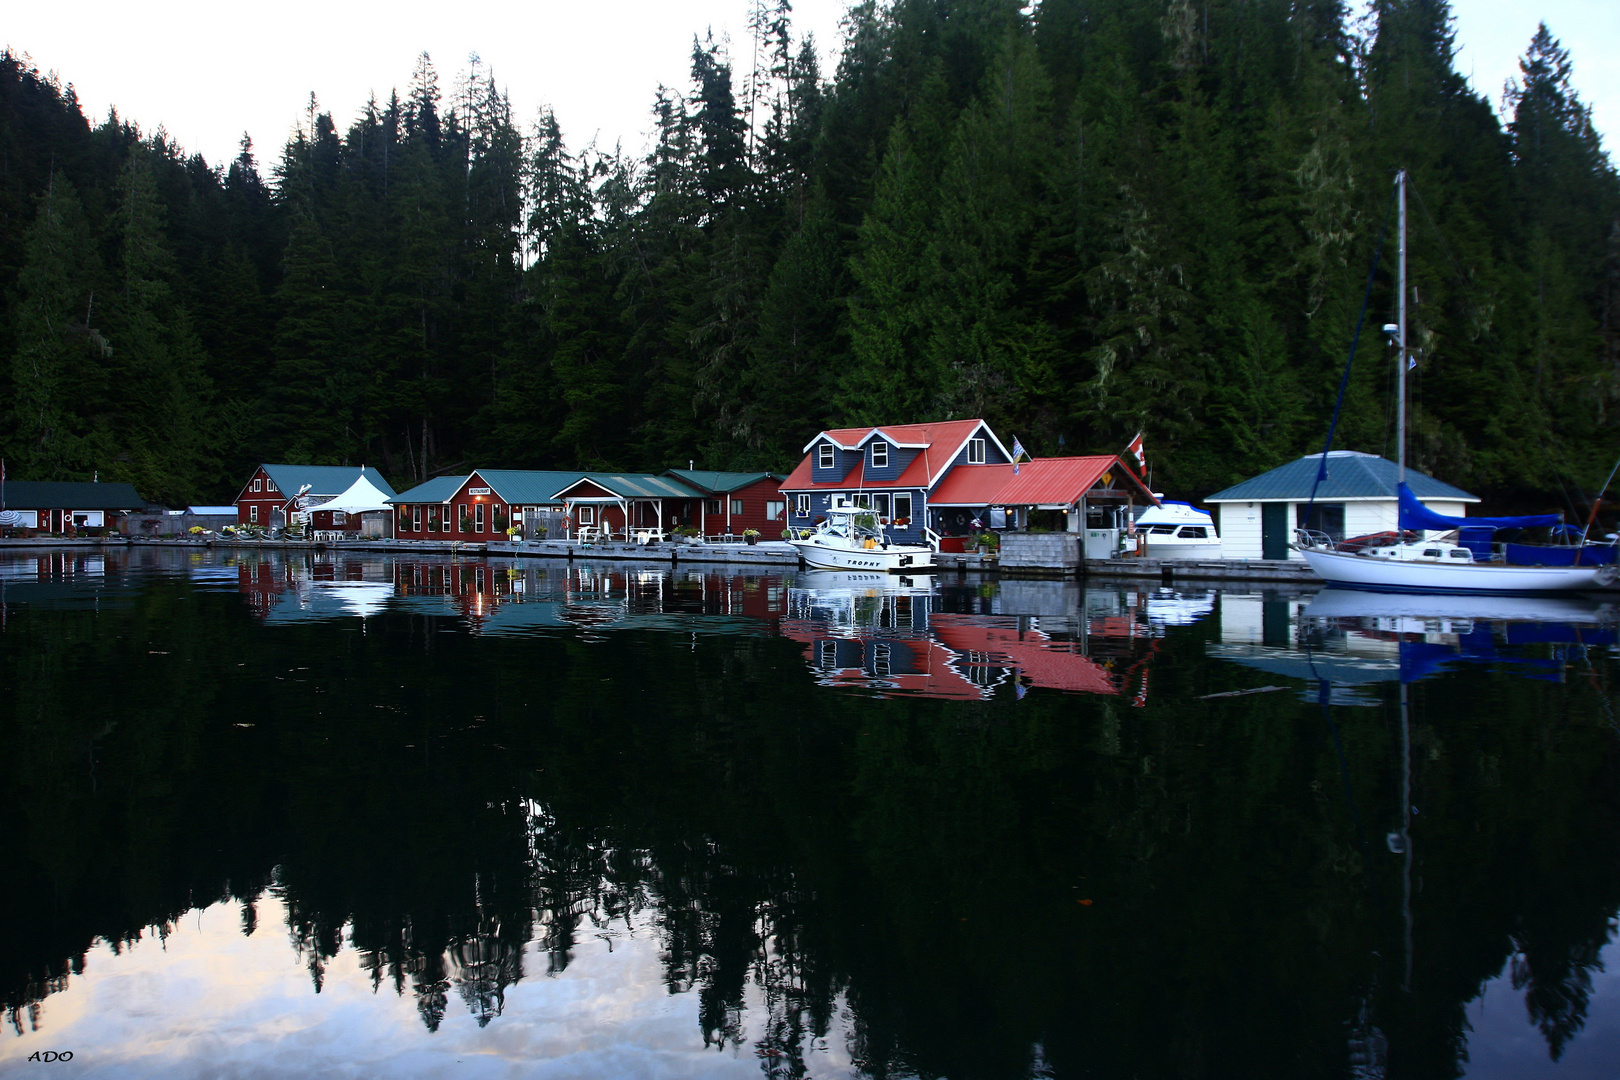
[
  {"x": 1392, "y": 575},
  {"x": 895, "y": 558},
  {"x": 1170, "y": 547}
]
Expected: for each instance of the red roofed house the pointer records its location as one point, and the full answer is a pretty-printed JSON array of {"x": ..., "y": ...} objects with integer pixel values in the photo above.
[{"x": 894, "y": 469}]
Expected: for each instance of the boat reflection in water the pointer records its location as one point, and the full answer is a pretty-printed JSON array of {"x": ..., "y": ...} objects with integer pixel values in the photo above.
[
  {"x": 1349, "y": 638},
  {"x": 908, "y": 635}
]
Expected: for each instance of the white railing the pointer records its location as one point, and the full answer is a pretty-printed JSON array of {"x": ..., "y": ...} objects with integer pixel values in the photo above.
[{"x": 1310, "y": 538}]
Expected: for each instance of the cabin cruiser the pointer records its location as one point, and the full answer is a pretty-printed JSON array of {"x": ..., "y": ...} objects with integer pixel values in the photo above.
[
  {"x": 852, "y": 538},
  {"x": 1178, "y": 530}
]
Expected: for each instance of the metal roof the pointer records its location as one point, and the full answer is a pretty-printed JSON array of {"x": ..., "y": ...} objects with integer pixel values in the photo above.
[
  {"x": 718, "y": 483},
  {"x": 72, "y": 495},
  {"x": 323, "y": 479},
  {"x": 635, "y": 486},
  {"x": 1351, "y": 475},
  {"x": 940, "y": 444},
  {"x": 437, "y": 490},
  {"x": 530, "y": 486},
  {"x": 971, "y": 485},
  {"x": 1062, "y": 481}
]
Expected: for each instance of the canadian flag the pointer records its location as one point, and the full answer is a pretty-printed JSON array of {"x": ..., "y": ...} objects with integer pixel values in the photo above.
[{"x": 1135, "y": 450}]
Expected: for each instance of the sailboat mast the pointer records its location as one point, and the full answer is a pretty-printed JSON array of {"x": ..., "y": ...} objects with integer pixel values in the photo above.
[{"x": 1400, "y": 362}]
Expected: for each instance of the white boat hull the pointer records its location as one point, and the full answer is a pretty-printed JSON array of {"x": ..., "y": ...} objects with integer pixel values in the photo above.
[
  {"x": 832, "y": 556},
  {"x": 1394, "y": 575},
  {"x": 1170, "y": 547}
]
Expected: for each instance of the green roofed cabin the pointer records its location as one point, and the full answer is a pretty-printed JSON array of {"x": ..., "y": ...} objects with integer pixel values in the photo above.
[
  {"x": 65, "y": 506},
  {"x": 1257, "y": 518},
  {"x": 735, "y": 501},
  {"x": 479, "y": 506}
]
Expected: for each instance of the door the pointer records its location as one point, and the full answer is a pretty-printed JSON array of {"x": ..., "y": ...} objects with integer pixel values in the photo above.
[{"x": 1274, "y": 530}]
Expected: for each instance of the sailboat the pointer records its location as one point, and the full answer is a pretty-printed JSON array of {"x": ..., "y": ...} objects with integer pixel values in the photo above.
[{"x": 1436, "y": 566}]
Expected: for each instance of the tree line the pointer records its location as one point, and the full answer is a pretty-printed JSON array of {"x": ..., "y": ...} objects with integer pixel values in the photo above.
[{"x": 1078, "y": 221}]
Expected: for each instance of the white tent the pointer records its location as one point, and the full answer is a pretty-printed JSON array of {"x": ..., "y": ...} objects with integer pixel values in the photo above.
[{"x": 363, "y": 497}]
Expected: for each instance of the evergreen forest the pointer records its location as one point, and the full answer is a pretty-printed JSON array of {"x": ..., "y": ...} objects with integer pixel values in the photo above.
[{"x": 1078, "y": 220}]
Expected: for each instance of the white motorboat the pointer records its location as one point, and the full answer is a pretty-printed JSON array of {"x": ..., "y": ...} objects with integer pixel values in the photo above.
[
  {"x": 852, "y": 538},
  {"x": 1426, "y": 564},
  {"x": 1178, "y": 530}
]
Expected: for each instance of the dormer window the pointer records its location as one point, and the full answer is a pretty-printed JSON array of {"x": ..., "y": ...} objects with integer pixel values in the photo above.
[
  {"x": 975, "y": 451},
  {"x": 826, "y": 461},
  {"x": 880, "y": 455}
]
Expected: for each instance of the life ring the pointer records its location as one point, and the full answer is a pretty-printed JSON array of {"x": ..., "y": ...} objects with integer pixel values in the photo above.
[{"x": 567, "y": 523}]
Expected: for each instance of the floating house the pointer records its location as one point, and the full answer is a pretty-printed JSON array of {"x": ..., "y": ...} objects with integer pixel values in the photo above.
[
  {"x": 1257, "y": 518},
  {"x": 274, "y": 493},
  {"x": 480, "y": 506},
  {"x": 735, "y": 501},
  {"x": 63, "y": 507},
  {"x": 896, "y": 470}
]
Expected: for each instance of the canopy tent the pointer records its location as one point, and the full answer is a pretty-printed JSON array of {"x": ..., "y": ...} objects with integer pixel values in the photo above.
[
  {"x": 1415, "y": 517},
  {"x": 362, "y": 497}
]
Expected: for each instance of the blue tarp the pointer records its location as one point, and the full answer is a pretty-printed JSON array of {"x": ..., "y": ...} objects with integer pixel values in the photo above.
[
  {"x": 1415, "y": 517},
  {"x": 1571, "y": 555}
]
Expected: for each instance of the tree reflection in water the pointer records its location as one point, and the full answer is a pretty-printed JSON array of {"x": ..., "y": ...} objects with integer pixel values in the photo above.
[{"x": 1053, "y": 884}]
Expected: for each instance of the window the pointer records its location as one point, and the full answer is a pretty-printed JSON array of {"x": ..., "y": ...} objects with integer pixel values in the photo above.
[
  {"x": 826, "y": 456},
  {"x": 803, "y": 505},
  {"x": 712, "y": 506},
  {"x": 975, "y": 451},
  {"x": 1194, "y": 532},
  {"x": 902, "y": 507},
  {"x": 1324, "y": 518},
  {"x": 253, "y": 512},
  {"x": 416, "y": 519},
  {"x": 773, "y": 509},
  {"x": 270, "y": 485},
  {"x": 478, "y": 517},
  {"x": 880, "y": 455},
  {"x": 736, "y": 507},
  {"x": 587, "y": 515},
  {"x": 339, "y": 518},
  {"x": 256, "y": 485}
]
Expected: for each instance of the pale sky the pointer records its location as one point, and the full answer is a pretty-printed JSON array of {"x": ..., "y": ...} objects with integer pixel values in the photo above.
[{"x": 206, "y": 72}]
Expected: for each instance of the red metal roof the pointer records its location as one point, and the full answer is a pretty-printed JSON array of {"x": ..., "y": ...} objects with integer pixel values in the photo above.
[
  {"x": 1061, "y": 481},
  {"x": 972, "y": 485}
]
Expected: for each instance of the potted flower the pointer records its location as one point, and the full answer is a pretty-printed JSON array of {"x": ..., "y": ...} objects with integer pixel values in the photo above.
[
  {"x": 514, "y": 533},
  {"x": 466, "y": 523},
  {"x": 750, "y": 536}
]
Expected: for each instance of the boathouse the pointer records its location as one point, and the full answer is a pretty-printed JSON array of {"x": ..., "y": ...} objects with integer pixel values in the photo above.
[
  {"x": 479, "y": 506},
  {"x": 1257, "y": 518},
  {"x": 735, "y": 501},
  {"x": 65, "y": 507},
  {"x": 895, "y": 470},
  {"x": 275, "y": 492},
  {"x": 423, "y": 512}
]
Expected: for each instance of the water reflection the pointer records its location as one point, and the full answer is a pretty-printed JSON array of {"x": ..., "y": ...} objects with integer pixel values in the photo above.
[{"x": 553, "y": 818}]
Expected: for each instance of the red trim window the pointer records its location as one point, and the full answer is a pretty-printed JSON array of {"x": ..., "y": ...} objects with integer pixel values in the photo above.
[{"x": 253, "y": 513}]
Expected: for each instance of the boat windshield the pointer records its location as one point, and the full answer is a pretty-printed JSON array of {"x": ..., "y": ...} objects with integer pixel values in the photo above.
[{"x": 857, "y": 523}]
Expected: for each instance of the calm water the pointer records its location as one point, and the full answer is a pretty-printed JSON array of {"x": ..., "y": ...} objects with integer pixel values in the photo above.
[{"x": 398, "y": 817}]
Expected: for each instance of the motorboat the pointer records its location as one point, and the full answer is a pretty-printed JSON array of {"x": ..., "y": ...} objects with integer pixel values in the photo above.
[
  {"x": 1178, "y": 530},
  {"x": 851, "y": 537}
]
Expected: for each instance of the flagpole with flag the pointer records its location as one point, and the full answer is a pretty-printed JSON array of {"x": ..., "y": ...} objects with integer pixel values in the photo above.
[
  {"x": 1136, "y": 451},
  {"x": 1018, "y": 451}
]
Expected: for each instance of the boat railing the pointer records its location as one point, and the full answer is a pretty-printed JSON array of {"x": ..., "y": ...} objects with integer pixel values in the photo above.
[{"x": 1310, "y": 538}]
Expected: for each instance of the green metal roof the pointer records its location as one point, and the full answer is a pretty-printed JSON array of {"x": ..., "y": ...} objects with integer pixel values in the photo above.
[
  {"x": 323, "y": 479},
  {"x": 437, "y": 490},
  {"x": 718, "y": 483},
  {"x": 527, "y": 487},
  {"x": 637, "y": 486},
  {"x": 1351, "y": 475},
  {"x": 71, "y": 495}
]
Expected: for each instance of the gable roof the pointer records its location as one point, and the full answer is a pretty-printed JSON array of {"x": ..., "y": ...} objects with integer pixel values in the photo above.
[
  {"x": 72, "y": 495},
  {"x": 1351, "y": 475},
  {"x": 719, "y": 483},
  {"x": 530, "y": 486},
  {"x": 1062, "y": 480},
  {"x": 943, "y": 433},
  {"x": 940, "y": 444},
  {"x": 323, "y": 479},
  {"x": 634, "y": 486},
  {"x": 437, "y": 490}
]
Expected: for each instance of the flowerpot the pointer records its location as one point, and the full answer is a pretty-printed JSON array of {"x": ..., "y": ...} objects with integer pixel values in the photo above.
[{"x": 751, "y": 540}]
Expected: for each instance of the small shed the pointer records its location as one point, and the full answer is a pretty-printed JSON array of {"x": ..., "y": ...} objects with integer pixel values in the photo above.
[
  {"x": 735, "y": 501},
  {"x": 1257, "y": 518},
  {"x": 65, "y": 507}
]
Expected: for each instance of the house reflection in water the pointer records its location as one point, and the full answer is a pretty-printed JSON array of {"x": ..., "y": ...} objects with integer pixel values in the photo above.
[{"x": 895, "y": 636}]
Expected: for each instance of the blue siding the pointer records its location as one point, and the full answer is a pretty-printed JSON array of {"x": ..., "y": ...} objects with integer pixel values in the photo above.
[
  {"x": 843, "y": 462},
  {"x": 992, "y": 453},
  {"x": 820, "y": 500}
]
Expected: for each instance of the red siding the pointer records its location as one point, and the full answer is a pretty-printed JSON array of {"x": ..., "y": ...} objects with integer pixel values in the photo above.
[
  {"x": 754, "y": 498},
  {"x": 266, "y": 500}
]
